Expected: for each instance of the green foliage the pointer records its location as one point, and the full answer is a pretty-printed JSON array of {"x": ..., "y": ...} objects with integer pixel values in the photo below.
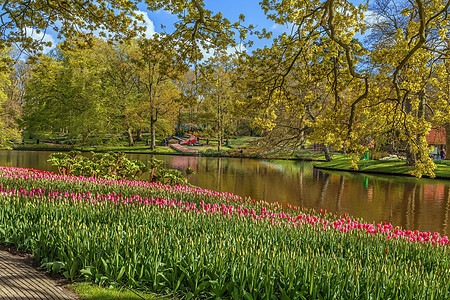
[
  {"x": 214, "y": 153},
  {"x": 114, "y": 165},
  {"x": 8, "y": 126},
  {"x": 164, "y": 128},
  {"x": 111, "y": 165}
]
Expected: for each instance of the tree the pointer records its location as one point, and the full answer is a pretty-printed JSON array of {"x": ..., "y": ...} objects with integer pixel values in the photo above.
[
  {"x": 219, "y": 92},
  {"x": 122, "y": 82},
  {"x": 409, "y": 57},
  {"x": 24, "y": 24},
  {"x": 8, "y": 125},
  {"x": 158, "y": 64},
  {"x": 285, "y": 103},
  {"x": 360, "y": 99},
  {"x": 69, "y": 94},
  {"x": 19, "y": 74},
  {"x": 189, "y": 98}
]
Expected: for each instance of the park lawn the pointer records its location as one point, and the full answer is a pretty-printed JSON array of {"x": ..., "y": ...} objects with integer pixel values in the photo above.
[
  {"x": 88, "y": 291},
  {"x": 241, "y": 142},
  {"x": 309, "y": 155},
  {"x": 343, "y": 162}
]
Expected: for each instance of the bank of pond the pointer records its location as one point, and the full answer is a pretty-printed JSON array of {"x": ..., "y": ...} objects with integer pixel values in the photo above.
[{"x": 197, "y": 243}]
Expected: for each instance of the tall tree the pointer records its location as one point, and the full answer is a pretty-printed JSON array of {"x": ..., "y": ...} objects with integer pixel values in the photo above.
[
  {"x": 218, "y": 87},
  {"x": 409, "y": 56},
  {"x": 8, "y": 124},
  {"x": 158, "y": 64}
]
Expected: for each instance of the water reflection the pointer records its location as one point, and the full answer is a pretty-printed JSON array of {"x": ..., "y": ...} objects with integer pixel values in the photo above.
[{"x": 407, "y": 202}]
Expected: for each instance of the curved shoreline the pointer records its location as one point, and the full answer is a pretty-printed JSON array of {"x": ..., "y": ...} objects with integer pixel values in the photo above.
[
  {"x": 178, "y": 153},
  {"x": 378, "y": 173}
]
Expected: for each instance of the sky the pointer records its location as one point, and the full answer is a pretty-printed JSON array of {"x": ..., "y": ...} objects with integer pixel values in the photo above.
[{"x": 231, "y": 9}]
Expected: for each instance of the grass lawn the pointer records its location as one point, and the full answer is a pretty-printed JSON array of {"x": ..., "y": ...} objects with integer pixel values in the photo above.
[
  {"x": 94, "y": 292},
  {"x": 342, "y": 161},
  {"x": 242, "y": 141}
]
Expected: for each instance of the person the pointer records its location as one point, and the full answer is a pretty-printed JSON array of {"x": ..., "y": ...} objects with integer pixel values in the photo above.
[{"x": 443, "y": 153}]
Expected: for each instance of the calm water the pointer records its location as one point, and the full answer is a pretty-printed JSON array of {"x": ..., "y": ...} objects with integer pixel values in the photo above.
[{"x": 411, "y": 203}]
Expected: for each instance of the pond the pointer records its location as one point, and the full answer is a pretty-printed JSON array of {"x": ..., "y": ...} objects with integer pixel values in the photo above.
[{"x": 422, "y": 204}]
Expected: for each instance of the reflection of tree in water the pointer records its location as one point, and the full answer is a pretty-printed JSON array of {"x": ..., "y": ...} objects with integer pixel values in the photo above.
[
  {"x": 219, "y": 174},
  {"x": 340, "y": 192},
  {"x": 324, "y": 188},
  {"x": 388, "y": 200},
  {"x": 300, "y": 183},
  {"x": 316, "y": 173},
  {"x": 408, "y": 205},
  {"x": 446, "y": 210}
]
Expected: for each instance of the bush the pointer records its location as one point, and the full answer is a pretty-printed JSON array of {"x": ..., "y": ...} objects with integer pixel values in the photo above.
[{"x": 109, "y": 165}]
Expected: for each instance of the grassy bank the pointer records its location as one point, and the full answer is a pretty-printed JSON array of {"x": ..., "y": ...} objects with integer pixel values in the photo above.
[
  {"x": 394, "y": 167},
  {"x": 194, "y": 243},
  {"x": 88, "y": 291}
]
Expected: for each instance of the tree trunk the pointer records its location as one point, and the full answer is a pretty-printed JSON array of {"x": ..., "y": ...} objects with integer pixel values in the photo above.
[
  {"x": 139, "y": 135},
  {"x": 130, "y": 137},
  {"x": 179, "y": 120},
  {"x": 447, "y": 139},
  {"x": 327, "y": 153},
  {"x": 410, "y": 157},
  {"x": 219, "y": 124},
  {"x": 153, "y": 133}
]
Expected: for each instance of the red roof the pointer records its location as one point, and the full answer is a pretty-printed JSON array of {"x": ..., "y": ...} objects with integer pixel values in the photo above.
[{"x": 436, "y": 136}]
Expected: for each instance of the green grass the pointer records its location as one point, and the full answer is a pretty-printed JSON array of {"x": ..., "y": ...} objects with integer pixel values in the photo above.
[
  {"x": 310, "y": 155},
  {"x": 242, "y": 141},
  {"x": 94, "y": 292},
  {"x": 343, "y": 162}
]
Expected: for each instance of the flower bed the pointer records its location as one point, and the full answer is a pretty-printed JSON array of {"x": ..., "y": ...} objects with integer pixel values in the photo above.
[{"x": 194, "y": 242}]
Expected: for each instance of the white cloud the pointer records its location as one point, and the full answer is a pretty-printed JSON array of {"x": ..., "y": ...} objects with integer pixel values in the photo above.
[
  {"x": 147, "y": 23},
  {"x": 41, "y": 36}
]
